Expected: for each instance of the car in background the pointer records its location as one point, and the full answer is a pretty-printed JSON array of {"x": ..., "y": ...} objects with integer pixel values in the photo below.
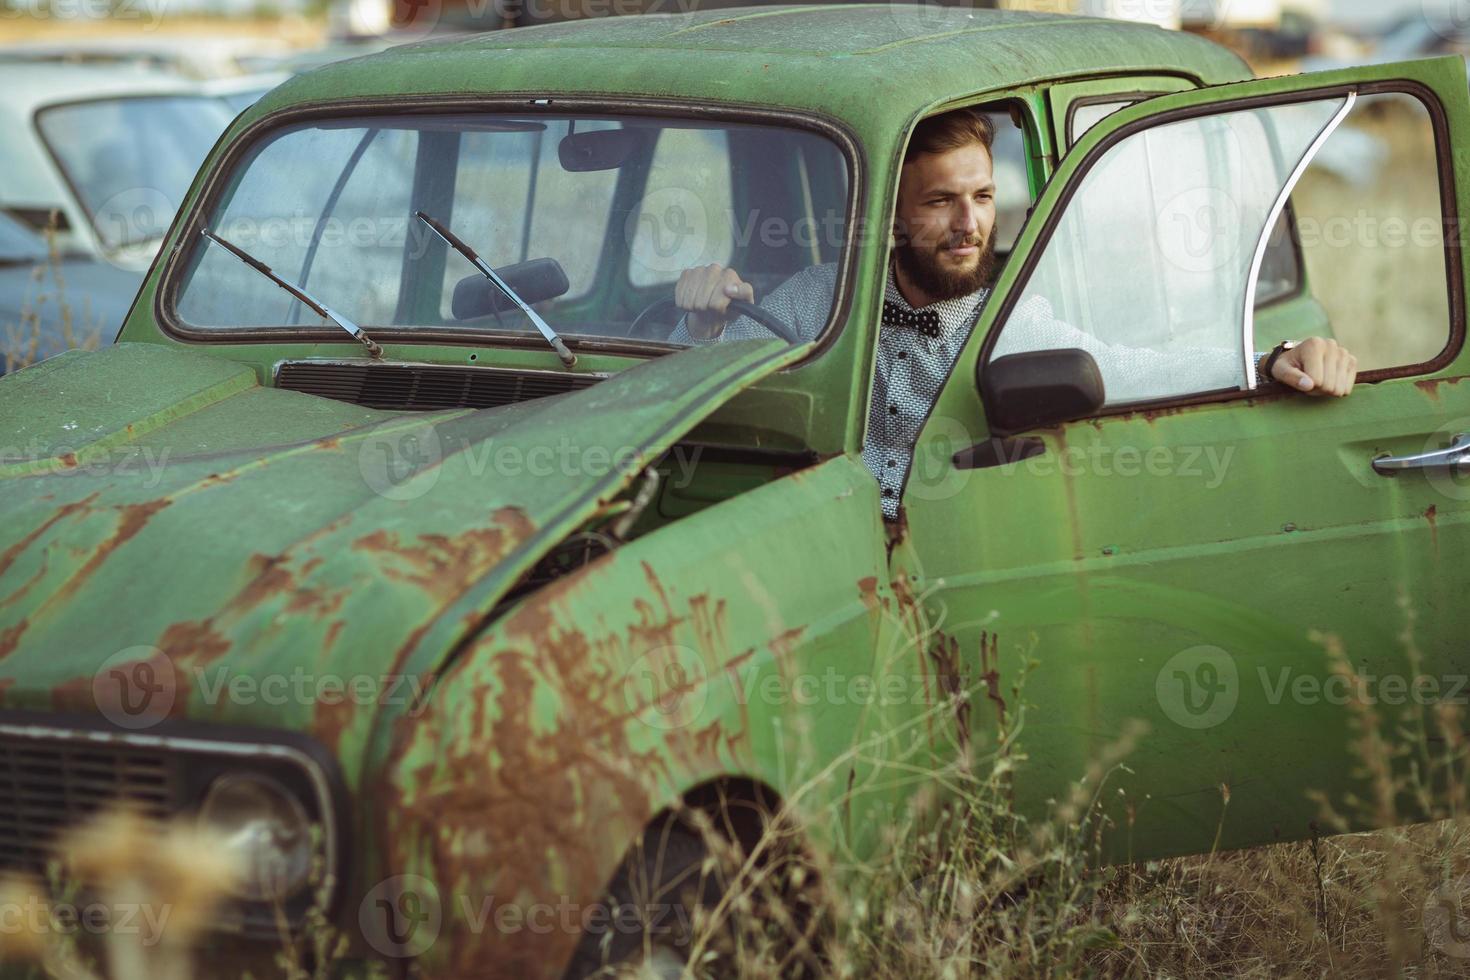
[
  {"x": 1417, "y": 35},
  {"x": 186, "y": 56},
  {"x": 49, "y": 303},
  {"x": 103, "y": 154},
  {"x": 242, "y": 91}
]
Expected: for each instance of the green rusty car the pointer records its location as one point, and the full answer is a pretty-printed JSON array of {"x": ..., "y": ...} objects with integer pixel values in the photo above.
[{"x": 398, "y": 529}]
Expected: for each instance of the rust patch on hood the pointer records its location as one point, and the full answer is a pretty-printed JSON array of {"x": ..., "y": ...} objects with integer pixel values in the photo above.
[
  {"x": 197, "y": 641},
  {"x": 443, "y": 565},
  {"x": 14, "y": 551},
  {"x": 132, "y": 518}
]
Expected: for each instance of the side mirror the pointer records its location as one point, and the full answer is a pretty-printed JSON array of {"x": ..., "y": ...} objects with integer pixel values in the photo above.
[{"x": 1040, "y": 388}]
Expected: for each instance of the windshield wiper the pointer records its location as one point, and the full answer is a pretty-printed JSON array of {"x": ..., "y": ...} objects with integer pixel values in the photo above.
[
  {"x": 453, "y": 241},
  {"x": 317, "y": 307}
]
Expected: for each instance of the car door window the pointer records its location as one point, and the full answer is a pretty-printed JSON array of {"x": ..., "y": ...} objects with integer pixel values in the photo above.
[
  {"x": 1012, "y": 184},
  {"x": 1086, "y": 115},
  {"x": 1149, "y": 268},
  {"x": 1369, "y": 228}
]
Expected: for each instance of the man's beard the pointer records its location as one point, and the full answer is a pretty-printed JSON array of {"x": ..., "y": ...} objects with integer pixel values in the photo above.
[{"x": 927, "y": 270}]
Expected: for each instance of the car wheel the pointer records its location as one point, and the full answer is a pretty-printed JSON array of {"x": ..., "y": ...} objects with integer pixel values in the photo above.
[{"x": 648, "y": 922}]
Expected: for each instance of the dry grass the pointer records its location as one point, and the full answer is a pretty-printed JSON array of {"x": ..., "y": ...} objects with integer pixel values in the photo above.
[
  {"x": 20, "y": 343},
  {"x": 969, "y": 888}
]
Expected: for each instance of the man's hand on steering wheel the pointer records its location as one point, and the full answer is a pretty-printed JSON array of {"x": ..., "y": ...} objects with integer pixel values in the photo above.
[{"x": 704, "y": 293}]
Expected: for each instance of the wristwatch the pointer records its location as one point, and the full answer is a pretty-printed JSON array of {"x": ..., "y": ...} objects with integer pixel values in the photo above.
[{"x": 1266, "y": 363}]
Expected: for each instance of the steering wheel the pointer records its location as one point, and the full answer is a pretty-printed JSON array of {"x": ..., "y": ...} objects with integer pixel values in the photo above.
[{"x": 639, "y": 327}]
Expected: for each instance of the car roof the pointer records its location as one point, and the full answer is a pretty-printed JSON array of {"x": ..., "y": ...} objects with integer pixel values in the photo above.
[
  {"x": 29, "y": 86},
  {"x": 845, "y": 60}
]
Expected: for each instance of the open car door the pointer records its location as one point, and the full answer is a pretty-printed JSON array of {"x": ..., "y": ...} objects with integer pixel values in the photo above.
[{"x": 1244, "y": 568}]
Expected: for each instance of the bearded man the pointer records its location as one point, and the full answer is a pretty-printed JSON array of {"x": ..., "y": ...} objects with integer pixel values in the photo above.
[{"x": 943, "y": 260}]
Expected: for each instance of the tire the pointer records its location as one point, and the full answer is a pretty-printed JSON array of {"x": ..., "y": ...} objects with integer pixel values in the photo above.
[{"x": 652, "y": 908}]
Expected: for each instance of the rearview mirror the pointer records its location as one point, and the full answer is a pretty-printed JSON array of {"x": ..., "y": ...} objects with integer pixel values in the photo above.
[
  {"x": 535, "y": 282},
  {"x": 1040, "y": 388},
  {"x": 600, "y": 149}
]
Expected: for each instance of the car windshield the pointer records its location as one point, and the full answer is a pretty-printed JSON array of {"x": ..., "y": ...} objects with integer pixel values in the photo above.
[
  {"x": 18, "y": 243},
  {"x": 591, "y": 219},
  {"x": 131, "y": 160}
]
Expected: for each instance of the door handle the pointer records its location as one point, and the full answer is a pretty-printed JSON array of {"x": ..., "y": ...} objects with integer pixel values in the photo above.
[{"x": 1458, "y": 454}]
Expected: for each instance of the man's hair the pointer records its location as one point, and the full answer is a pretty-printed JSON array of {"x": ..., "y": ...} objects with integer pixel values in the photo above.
[{"x": 950, "y": 131}]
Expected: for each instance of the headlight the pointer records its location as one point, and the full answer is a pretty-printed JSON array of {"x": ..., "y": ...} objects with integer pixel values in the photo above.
[{"x": 267, "y": 830}]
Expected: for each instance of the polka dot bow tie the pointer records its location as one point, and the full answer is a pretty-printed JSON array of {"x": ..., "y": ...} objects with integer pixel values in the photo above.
[{"x": 924, "y": 321}]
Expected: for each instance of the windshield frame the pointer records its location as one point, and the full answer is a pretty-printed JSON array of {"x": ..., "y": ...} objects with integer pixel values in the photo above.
[
  {"x": 184, "y": 237},
  {"x": 80, "y": 200}
]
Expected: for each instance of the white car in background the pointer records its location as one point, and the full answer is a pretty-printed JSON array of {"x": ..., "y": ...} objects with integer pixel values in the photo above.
[
  {"x": 106, "y": 154},
  {"x": 185, "y": 55}
]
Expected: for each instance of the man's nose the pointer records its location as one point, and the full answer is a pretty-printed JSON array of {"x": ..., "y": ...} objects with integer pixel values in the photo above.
[{"x": 967, "y": 217}]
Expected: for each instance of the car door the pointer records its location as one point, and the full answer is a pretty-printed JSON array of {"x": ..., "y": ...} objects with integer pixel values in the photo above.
[{"x": 1206, "y": 554}]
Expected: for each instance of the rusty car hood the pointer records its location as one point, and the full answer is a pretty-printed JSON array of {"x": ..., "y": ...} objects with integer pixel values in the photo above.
[{"x": 161, "y": 506}]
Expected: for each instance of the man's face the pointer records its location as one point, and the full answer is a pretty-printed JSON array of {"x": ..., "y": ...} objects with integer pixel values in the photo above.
[{"x": 945, "y": 222}]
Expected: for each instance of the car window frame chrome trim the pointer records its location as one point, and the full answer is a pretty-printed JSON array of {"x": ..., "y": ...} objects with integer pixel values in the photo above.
[{"x": 1248, "y": 315}]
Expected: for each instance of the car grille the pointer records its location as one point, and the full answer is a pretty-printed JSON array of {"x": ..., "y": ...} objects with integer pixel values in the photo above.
[
  {"x": 417, "y": 387},
  {"x": 49, "y": 785},
  {"x": 54, "y": 776}
]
